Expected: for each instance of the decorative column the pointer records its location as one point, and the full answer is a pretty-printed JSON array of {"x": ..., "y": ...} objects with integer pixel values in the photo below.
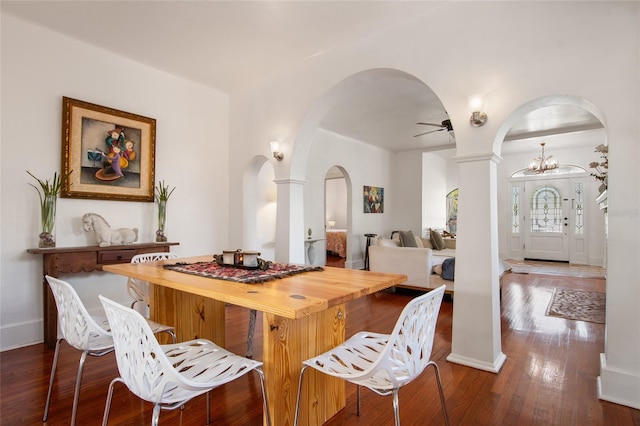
[{"x": 477, "y": 340}]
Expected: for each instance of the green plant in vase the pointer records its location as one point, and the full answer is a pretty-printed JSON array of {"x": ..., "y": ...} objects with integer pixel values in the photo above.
[
  {"x": 162, "y": 196},
  {"x": 48, "y": 193}
]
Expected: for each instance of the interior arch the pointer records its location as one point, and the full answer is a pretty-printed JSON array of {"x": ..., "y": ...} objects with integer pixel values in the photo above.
[{"x": 259, "y": 195}]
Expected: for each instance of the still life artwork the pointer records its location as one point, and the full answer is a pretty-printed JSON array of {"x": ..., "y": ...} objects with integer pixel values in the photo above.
[
  {"x": 373, "y": 197},
  {"x": 113, "y": 150}
]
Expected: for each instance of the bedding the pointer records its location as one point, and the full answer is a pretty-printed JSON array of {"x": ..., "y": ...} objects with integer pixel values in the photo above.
[{"x": 337, "y": 241}]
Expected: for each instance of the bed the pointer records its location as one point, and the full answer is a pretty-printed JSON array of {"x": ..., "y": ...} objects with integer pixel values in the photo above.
[{"x": 337, "y": 241}]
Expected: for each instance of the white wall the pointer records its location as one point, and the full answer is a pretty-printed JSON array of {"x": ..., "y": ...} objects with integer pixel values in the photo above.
[
  {"x": 266, "y": 218},
  {"x": 362, "y": 165},
  {"x": 336, "y": 202},
  {"x": 39, "y": 67},
  {"x": 434, "y": 192}
]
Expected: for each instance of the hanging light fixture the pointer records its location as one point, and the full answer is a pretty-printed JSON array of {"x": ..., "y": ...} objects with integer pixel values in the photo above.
[{"x": 542, "y": 163}]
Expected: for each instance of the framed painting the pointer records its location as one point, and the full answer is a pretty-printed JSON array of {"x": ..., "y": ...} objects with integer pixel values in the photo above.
[
  {"x": 110, "y": 152},
  {"x": 373, "y": 197}
]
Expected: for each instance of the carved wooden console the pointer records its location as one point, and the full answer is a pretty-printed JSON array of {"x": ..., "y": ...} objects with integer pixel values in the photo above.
[{"x": 81, "y": 259}]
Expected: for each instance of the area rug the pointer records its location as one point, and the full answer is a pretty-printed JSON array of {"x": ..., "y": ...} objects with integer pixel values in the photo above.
[
  {"x": 577, "y": 305},
  {"x": 240, "y": 275}
]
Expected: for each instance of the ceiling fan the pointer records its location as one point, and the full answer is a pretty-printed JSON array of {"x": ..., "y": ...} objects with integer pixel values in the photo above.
[{"x": 445, "y": 125}]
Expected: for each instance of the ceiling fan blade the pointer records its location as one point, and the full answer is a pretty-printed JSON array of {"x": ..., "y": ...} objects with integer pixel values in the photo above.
[
  {"x": 426, "y": 133},
  {"x": 431, "y": 124}
]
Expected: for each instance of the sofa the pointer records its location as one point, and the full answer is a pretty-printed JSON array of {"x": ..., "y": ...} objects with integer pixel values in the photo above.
[{"x": 421, "y": 264}]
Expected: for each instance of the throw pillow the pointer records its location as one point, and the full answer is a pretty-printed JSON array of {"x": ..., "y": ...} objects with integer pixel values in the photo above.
[
  {"x": 419, "y": 242},
  {"x": 385, "y": 242},
  {"x": 407, "y": 239},
  {"x": 436, "y": 240},
  {"x": 426, "y": 243}
]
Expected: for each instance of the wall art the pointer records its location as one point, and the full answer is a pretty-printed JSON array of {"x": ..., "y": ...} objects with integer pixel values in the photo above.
[
  {"x": 111, "y": 153},
  {"x": 373, "y": 197}
]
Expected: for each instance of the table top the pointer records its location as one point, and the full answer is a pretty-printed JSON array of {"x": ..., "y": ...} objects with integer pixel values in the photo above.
[{"x": 292, "y": 297}]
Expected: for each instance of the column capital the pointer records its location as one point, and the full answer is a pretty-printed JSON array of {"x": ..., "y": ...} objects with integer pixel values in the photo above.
[{"x": 478, "y": 157}]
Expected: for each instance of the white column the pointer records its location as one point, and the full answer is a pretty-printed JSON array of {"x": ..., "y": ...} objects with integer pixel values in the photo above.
[
  {"x": 290, "y": 233},
  {"x": 476, "y": 340}
]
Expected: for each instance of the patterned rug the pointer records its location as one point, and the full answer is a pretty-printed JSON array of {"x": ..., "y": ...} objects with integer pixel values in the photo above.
[
  {"x": 577, "y": 305},
  {"x": 241, "y": 275}
]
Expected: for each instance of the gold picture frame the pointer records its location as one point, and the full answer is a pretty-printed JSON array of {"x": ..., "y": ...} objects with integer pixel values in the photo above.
[{"x": 111, "y": 153}]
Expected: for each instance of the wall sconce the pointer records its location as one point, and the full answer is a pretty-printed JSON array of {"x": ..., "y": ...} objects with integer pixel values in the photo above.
[
  {"x": 275, "y": 149},
  {"x": 331, "y": 223},
  {"x": 478, "y": 118}
]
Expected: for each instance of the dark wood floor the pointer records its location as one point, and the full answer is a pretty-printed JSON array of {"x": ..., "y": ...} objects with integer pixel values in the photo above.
[
  {"x": 549, "y": 377},
  {"x": 335, "y": 260}
]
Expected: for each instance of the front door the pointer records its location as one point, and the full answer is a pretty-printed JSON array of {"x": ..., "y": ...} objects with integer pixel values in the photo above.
[{"x": 546, "y": 220}]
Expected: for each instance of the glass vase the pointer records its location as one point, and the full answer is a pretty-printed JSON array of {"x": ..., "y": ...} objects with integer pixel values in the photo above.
[
  {"x": 162, "y": 221},
  {"x": 48, "y": 219}
]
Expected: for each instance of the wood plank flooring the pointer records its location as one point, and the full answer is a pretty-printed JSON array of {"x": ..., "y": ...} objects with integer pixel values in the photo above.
[{"x": 549, "y": 377}]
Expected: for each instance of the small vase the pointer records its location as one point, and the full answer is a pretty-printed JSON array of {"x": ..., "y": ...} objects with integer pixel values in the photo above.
[
  {"x": 162, "y": 220},
  {"x": 48, "y": 219}
]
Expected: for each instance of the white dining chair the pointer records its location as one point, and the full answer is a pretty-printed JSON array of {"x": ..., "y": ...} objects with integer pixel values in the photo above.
[
  {"x": 169, "y": 375},
  {"x": 139, "y": 291},
  {"x": 78, "y": 329},
  {"x": 386, "y": 362}
]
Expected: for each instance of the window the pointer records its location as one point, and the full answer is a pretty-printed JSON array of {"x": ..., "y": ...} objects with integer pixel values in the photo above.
[
  {"x": 515, "y": 210},
  {"x": 578, "y": 206},
  {"x": 546, "y": 210}
]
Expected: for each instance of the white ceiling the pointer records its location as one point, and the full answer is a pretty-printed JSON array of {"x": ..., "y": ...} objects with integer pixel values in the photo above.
[{"x": 228, "y": 44}]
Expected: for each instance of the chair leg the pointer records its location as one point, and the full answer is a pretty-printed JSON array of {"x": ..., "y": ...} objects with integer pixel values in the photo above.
[
  {"x": 173, "y": 336},
  {"x": 296, "y": 418},
  {"x": 396, "y": 407},
  {"x": 107, "y": 407},
  {"x": 441, "y": 391},
  {"x": 252, "y": 327},
  {"x": 155, "y": 416},
  {"x": 53, "y": 373},
  {"x": 208, "y": 409},
  {"x": 358, "y": 387},
  {"x": 76, "y": 394},
  {"x": 265, "y": 400}
]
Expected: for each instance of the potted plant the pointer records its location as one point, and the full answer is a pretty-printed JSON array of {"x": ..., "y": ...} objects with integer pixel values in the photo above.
[
  {"x": 601, "y": 167},
  {"x": 48, "y": 193},
  {"x": 162, "y": 196}
]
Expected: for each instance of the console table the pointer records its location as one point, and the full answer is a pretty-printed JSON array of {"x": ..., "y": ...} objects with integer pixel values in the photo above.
[{"x": 58, "y": 260}]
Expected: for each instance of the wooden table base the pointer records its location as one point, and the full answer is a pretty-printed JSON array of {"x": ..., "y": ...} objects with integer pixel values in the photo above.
[{"x": 287, "y": 342}]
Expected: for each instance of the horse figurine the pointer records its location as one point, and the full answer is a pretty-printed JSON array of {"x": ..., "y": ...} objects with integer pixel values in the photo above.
[{"x": 104, "y": 234}]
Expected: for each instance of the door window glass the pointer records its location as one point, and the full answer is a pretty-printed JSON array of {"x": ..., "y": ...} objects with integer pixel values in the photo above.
[{"x": 546, "y": 210}]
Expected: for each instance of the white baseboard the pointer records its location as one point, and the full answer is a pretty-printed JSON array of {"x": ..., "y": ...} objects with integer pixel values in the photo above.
[
  {"x": 354, "y": 264},
  {"x": 478, "y": 364},
  {"x": 22, "y": 334},
  {"x": 618, "y": 386},
  {"x": 27, "y": 333}
]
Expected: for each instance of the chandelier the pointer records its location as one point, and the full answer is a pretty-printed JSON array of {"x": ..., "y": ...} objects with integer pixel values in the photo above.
[{"x": 542, "y": 163}]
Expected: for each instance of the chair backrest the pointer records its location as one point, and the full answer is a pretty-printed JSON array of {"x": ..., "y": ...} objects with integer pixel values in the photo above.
[
  {"x": 137, "y": 289},
  {"x": 142, "y": 363},
  {"x": 75, "y": 323},
  {"x": 409, "y": 347},
  {"x": 152, "y": 257}
]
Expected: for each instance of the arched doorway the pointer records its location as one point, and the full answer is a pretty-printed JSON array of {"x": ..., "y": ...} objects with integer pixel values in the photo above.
[
  {"x": 368, "y": 161},
  {"x": 336, "y": 207},
  {"x": 259, "y": 195},
  {"x": 551, "y": 214}
]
